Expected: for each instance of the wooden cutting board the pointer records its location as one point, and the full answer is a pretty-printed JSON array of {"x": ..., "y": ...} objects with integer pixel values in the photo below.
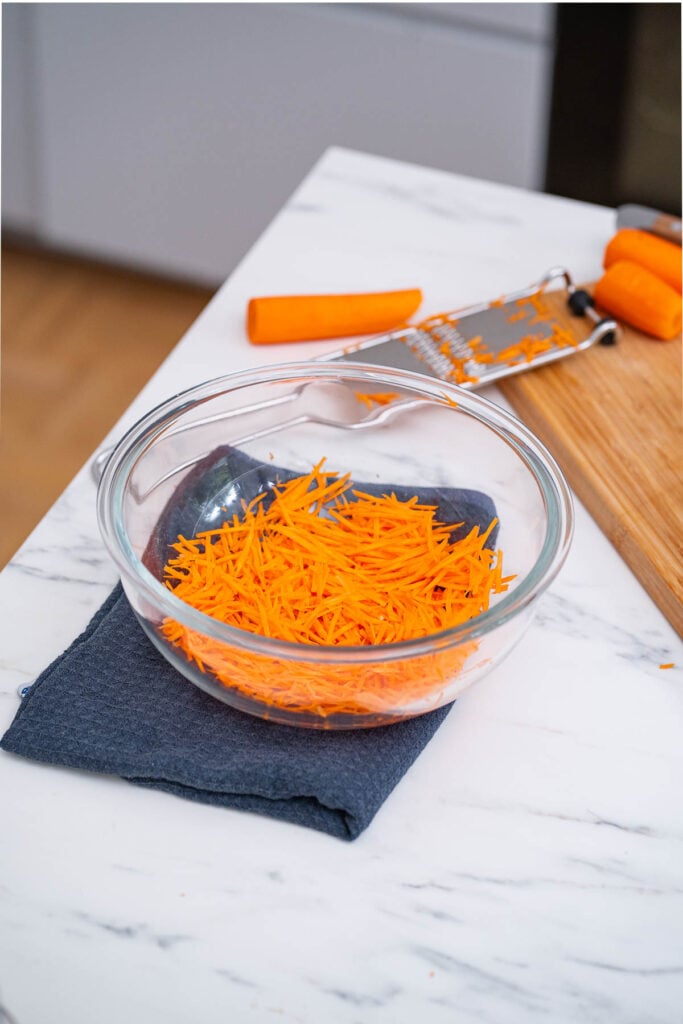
[{"x": 612, "y": 417}]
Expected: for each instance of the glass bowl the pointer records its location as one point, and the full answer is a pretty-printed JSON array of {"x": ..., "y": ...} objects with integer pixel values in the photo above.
[{"x": 198, "y": 459}]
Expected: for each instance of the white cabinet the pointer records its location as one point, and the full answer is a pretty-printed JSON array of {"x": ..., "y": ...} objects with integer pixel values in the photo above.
[{"x": 167, "y": 135}]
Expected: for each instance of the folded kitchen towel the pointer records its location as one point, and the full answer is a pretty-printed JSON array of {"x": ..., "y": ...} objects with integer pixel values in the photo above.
[
  {"x": 112, "y": 704},
  {"x": 278, "y": 318}
]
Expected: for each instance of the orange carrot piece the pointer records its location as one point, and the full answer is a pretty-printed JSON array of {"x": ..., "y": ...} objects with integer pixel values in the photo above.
[
  {"x": 325, "y": 564},
  {"x": 376, "y": 398},
  {"x": 272, "y": 319},
  {"x": 635, "y": 295},
  {"x": 657, "y": 255}
]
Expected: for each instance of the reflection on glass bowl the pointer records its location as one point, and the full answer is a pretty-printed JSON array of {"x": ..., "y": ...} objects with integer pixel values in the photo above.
[{"x": 198, "y": 460}]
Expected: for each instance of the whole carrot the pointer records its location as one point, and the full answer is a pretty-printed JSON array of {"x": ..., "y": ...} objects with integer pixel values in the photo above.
[
  {"x": 657, "y": 255},
  {"x": 638, "y": 297}
]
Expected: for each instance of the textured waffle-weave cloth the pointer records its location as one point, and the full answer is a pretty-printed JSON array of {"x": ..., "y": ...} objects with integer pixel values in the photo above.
[{"x": 112, "y": 704}]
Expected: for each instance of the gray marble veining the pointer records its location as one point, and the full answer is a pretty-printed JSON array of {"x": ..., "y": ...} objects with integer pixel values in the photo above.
[{"x": 528, "y": 868}]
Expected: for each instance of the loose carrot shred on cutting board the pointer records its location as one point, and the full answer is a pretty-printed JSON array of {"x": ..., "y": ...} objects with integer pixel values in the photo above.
[
  {"x": 324, "y": 564},
  {"x": 669, "y": 664}
]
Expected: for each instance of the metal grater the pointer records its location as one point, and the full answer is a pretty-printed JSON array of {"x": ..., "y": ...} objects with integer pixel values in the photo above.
[
  {"x": 471, "y": 347},
  {"x": 480, "y": 344}
]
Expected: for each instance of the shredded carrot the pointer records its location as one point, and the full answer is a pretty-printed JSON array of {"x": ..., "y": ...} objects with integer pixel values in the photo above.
[
  {"x": 463, "y": 366},
  {"x": 563, "y": 338},
  {"x": 669, "y": 664},
  {"x": 323, "y": 564},
  {"x": 527, "y": 348},
  {"x": 536, "y": 300},
  {"x": 378, "y": 398},
  {"x": 459, "y": 373}
]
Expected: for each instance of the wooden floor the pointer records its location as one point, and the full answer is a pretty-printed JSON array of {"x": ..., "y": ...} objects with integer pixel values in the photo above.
[{"x": 79, "y": 340}]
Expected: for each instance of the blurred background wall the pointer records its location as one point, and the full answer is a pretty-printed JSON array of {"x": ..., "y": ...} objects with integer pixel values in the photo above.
[
  {"x": 146, "y": 146},
  {"x": 166, "y": 136}
]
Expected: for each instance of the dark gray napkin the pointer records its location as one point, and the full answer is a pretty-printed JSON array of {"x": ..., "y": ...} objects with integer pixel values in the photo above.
[{"x": 112, "y": 704}]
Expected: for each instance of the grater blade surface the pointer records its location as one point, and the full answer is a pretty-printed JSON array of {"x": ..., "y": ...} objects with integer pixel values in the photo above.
[{"x": 480, "y": 344}]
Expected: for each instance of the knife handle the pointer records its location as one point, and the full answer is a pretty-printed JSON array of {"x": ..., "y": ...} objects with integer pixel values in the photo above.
[
  {"x": 667, "y": 227},
  {"x": 630, "y": 215}
]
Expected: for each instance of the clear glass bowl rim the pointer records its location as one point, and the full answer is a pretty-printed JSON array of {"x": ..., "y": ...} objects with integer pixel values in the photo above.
[{"x": 547, "y": 474}]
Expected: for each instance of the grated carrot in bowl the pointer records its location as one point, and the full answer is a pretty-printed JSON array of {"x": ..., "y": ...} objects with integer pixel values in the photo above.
[{"x": 320, "y": 563}]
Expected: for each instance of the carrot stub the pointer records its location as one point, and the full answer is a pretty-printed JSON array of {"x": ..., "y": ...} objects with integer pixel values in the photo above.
[
  {"x": 635, "y": 295},
  {"x": 273, "y": 319},
  {"x": 323, "y": 564},
  {"x": 661, "y": 258}
]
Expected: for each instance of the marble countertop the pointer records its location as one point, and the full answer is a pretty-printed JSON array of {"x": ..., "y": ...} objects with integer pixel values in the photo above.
[{"x": 530, "y": 864}]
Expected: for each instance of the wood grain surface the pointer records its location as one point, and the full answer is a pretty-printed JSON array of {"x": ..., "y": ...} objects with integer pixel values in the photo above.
[
  {"x": 79, "y": 340},
  {"x": 611, "y": 416}
]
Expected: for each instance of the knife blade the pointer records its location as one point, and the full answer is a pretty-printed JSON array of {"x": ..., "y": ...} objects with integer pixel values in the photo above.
[{"x": 657, "y": 223}]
